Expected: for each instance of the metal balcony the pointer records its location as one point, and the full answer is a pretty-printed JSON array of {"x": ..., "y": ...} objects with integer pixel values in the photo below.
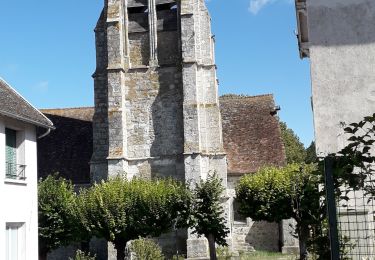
[{"x": 15, "y": 171}]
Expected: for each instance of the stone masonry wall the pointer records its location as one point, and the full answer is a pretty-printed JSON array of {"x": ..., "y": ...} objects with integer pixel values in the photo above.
[{"x": 249, "y": 235}]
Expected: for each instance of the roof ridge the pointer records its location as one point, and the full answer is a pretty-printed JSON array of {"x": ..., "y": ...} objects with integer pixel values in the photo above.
[
  {"x": 66, "y": 108},
  {"x": 243, "y": 96},
  {"x": 6, "y": 84}
]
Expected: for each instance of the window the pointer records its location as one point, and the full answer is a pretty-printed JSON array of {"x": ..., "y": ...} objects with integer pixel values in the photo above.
[
  {"x": 14, "y": 170},
  {"x": 15, "y": 241}
]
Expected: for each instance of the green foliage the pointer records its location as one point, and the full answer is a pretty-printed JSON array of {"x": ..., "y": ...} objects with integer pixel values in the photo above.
[
  {"x": 294, "y": 149},
  {"x": 273, "y": 194},
  {"x": 223, "y": 253},
  {"x": 146, "y": 249},
  {"x": 120, "y": 210},
  {"x": 311, "y": 154},
  {"x": 266, "y": 195},
  {"x": 179, "y": 257},
  {"x": 354, "y": 164},
  {"x": 207, "y": 211},
  {"x": 58, "y": 222},
  {"x": 80, "y": 255},
  {"x": 102, "y": 209}
]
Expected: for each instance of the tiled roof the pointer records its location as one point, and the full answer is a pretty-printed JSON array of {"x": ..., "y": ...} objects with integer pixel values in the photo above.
[
  {"x": 13, "y": 105},
  {"x": 251, "y": 133}
]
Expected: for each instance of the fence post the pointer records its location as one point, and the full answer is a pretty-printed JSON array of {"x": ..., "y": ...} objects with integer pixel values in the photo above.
[{"x": 331, "y": 208}]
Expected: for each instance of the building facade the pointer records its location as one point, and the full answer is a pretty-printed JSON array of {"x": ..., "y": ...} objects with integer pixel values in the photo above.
[
  {"x": 338, "y": 37},
  {"x": 18, "y": 170}
]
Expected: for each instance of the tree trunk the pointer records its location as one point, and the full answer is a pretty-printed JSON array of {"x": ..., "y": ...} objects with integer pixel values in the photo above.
[
  {"x": 120, "y": 248},
  {"x": 303, "y": 235},
  {"x": 211, "y": 245}
]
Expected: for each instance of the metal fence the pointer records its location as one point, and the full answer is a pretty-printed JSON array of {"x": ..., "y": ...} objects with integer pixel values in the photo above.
[{"x": 351, "y": 219}]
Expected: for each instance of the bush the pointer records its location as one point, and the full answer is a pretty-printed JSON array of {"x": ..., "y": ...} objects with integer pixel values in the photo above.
[
  {"x": 223, "y": 253},
  {"x": 146, "y": 249},
  {"x": 82, "y": 256}
]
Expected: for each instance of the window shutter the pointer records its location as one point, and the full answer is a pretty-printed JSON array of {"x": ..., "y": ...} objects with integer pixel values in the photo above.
[{"x": 11, "y": 152}]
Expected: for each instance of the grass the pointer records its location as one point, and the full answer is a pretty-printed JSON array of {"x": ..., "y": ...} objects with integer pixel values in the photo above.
[
  {"x": 258, "y": 255},
  {"x": 262, "y": 255}
]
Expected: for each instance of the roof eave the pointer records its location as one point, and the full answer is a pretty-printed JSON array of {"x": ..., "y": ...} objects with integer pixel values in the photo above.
[
  {"x": 27, "y": 120},
  {"x": 303, "y": 32}
]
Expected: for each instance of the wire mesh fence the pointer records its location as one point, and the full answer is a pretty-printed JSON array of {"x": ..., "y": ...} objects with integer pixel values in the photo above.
[
  {"x": 355, "y": 219},
  {"x": 352, "y": 220}
]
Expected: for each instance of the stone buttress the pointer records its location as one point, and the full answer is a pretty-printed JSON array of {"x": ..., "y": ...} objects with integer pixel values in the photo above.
[{"x": 156, "y": 98}]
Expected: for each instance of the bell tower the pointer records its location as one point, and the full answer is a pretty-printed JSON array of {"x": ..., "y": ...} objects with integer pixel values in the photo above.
[{"x": 156, "y": 95}]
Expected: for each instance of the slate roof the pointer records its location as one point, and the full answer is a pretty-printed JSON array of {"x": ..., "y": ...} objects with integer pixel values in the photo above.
[
  {"x": 251, "y": 134},
  {"x": 13, "y": 105}
]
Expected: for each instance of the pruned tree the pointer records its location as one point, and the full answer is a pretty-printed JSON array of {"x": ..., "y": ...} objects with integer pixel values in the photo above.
[
  {"x": 120, "y": 210},
  {"x": 207, "y": 217},
  {"x": 273, "y": 194},
  {"x": 57, "y": 215}
]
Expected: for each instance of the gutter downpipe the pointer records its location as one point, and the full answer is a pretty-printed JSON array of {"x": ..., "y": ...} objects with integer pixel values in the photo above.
[{"x": 45, "y": 134}]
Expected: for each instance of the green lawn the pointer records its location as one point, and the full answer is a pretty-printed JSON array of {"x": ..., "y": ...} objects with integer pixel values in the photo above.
[{"x": 259, "y": 255}]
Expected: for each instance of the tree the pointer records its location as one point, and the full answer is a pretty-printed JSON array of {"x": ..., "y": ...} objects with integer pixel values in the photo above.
[
  {"x": 273, "y": 194},
  {"x": 311, "y": 156},
  {"x": 207, "y": 213},
  {"x": 294, "y": 149},
  {"x": 120, "y": 210},
  {"x": 58, "y": 222}
]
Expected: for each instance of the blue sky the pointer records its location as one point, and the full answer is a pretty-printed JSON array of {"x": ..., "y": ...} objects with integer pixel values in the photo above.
[{"x": 47, "y": 53}]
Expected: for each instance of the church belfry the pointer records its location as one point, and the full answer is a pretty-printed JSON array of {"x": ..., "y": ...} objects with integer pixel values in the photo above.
[{"x": 156, "y": 95}]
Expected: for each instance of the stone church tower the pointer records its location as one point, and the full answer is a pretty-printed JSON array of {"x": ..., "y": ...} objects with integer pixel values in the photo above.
[{"x": 156, "y": 95}]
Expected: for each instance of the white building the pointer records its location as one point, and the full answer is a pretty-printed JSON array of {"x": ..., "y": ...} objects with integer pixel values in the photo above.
[
  {"x": 19, "y": 121},
  {"x": 338, "y": 36}
]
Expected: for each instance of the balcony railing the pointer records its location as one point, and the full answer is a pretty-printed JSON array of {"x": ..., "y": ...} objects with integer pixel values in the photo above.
[{"x": 15, "y": 171}]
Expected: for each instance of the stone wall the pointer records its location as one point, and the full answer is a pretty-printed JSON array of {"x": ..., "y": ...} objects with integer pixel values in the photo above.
[
  {"x": 249, "y": 235},
  {"x": 154, "y": 116}
]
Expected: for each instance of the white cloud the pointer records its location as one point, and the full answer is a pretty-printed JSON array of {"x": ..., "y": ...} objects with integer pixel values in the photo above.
[
  {"x": 257, "y": 5},
  {"x": 41, "y": 86}
]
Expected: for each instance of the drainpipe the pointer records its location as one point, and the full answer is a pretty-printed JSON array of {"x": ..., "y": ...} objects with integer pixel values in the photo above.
[{"x": 45, "y": 134}]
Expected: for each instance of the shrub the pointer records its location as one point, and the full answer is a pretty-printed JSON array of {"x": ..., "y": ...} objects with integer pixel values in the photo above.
[
  {"x": 82, "y": 256},
  {"x": 146, "y": 249},
  {"x": 223, "y": 253}
]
